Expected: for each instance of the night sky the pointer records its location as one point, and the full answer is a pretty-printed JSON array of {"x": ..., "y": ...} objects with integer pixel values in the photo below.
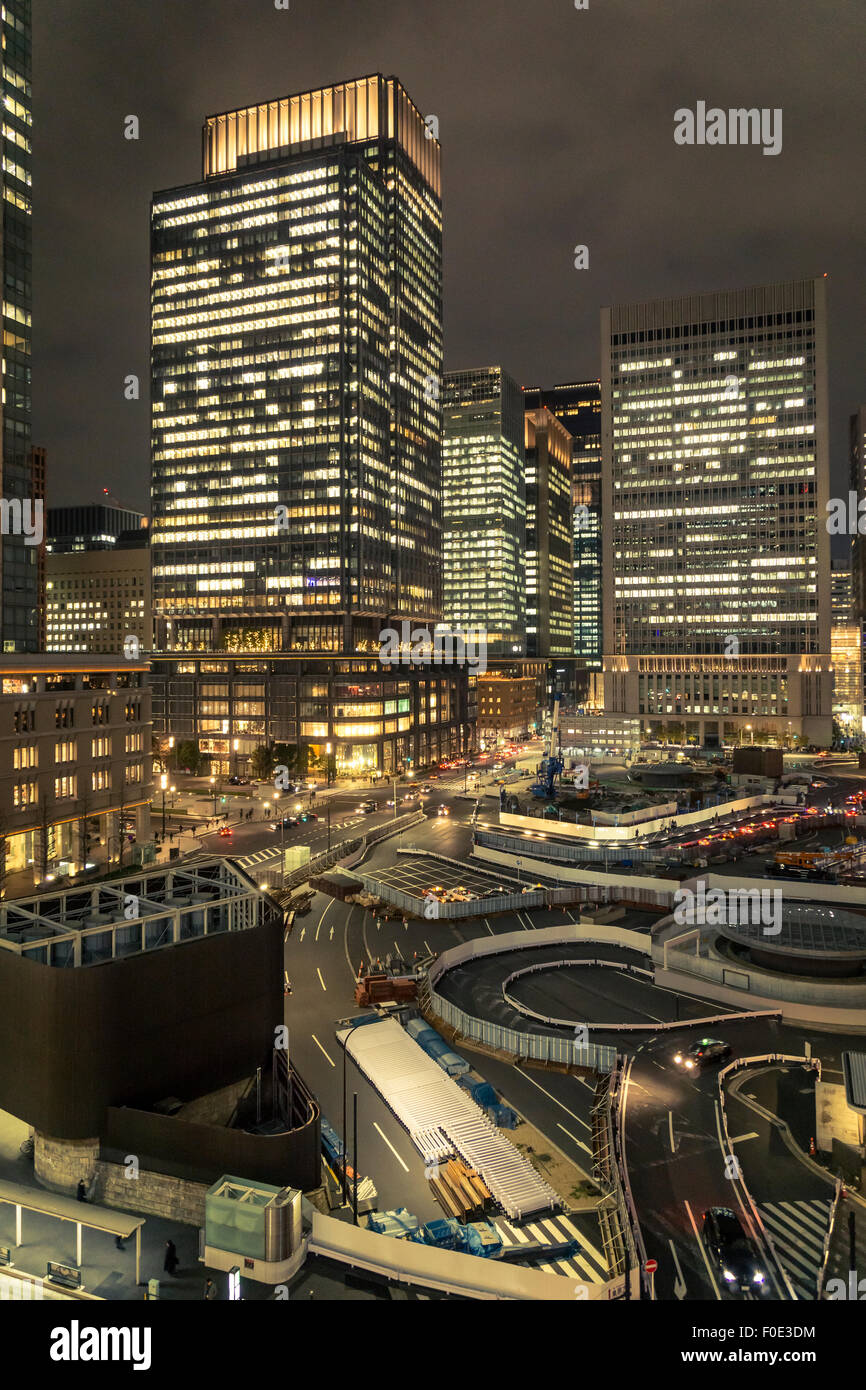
[{"x": 556, "y": 127}]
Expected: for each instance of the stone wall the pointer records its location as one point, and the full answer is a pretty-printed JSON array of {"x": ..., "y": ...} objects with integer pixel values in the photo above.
[
  {"x": 60, "y": 1164},
  {"x": 151, "y": 1194}
]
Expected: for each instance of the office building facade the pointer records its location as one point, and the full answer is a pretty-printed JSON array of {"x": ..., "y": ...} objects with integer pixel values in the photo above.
[
  {"x": 93, "y": 526},
  {"x": 549, "y": 560},
  {"x": 857, "y": 485},
  {"x": 297, "y": 356},
  {"x": 846, "y": 650},
  {"x": 75, "y": 765},
  {"x": 297, "y": 364},
  {"x": 716, "y": 551},
  {"x": 484, "y": 508},
  {"x": 577, "y": 405},
  {"x": 100, "y": 600},
  {"x": 19, "y": 557}
]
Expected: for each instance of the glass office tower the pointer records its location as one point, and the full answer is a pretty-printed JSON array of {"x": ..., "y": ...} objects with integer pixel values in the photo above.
[
  {"x": 21, "y": 480},
  {"x": 484, "y": 507},
  {"x": 549, "y": 561},
  {"x": 297, "y": 354},
  {"x": 716, "y": 552},
  {"x": 577, "y": 404}
]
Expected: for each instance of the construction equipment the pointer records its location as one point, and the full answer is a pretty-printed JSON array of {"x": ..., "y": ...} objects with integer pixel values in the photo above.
[
  {"x": 459, "y": 1190},
  {"x": 552, "y": 765},
  {"x": 383, "y": 987}
]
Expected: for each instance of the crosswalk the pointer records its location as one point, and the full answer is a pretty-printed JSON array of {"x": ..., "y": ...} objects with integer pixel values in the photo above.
[
  {"x": 587, "y": 1264},
  {"x": 797, "y": 1230},
  {"x": 248, "y": 861}
]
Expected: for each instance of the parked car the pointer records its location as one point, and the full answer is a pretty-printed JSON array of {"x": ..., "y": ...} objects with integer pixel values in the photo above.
[
  {"x": 739, "y": 1263},
  {"x": 701, "y": 1053}
]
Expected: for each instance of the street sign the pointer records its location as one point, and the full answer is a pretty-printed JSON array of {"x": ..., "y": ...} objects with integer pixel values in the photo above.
[{"x": 651, "y": 1266}]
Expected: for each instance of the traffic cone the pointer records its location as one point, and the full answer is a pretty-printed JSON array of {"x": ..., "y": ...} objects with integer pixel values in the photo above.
[{"x": 812, "y": 1149}]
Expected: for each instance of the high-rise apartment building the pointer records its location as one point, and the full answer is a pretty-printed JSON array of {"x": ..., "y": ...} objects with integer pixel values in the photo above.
[
  {"x": 297, "y": 354},
  {"x": 484, "y": 507},
  {"x": 549, "y": 562},
  {"x": 19, "y": 555},
  {"x": 716, "y": 551}
]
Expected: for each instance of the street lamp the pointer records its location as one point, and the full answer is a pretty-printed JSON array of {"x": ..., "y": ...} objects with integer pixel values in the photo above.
[
  {"x": 213, "y": 784},
  {"x": 163, "y": 782},
  {"x": 235, "y": 746},
  {"x": 351, "y": 1030},
  {"x": 329, "y": 747}
]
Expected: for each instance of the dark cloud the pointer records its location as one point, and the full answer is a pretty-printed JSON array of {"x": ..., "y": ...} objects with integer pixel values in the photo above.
[{"x": 556, "y": 126}]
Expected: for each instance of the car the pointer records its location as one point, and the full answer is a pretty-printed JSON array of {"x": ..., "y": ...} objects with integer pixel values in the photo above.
[
  {"x": 444, "y": 811},
  {"x": 702, "y": 1052},
  {"x": 288, "y": 822},
  {"x": 425, "y": 788},
  {"x": 239, "y": 781},
  {"x": 739, "y": 1263},
  {"x": 225, "y": 830},
  {"x": 368, "y": 807},
  {"x": 308, "y": 815}
]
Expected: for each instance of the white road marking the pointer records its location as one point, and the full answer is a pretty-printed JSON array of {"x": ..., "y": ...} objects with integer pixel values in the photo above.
[
  {"x": 391, "y": 1147},
  {"x": 321, "y": 1049},
  {"x": 579, "y": 1142},
  {"x": 488, "y": 926},
  {"x": 680, "y": 1282},
  {"x": 741, "y": 1138},
  {"x": 553, "y": 1098},
  {"x": 303, "y": 933},
  {"x": 321, "y": 981},
  {"x": 671, "y": 1130},
  {"x": 703, "y": 1252}
]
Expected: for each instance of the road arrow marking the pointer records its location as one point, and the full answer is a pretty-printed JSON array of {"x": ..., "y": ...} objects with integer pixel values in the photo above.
[{"x": 680, "y": 1289}]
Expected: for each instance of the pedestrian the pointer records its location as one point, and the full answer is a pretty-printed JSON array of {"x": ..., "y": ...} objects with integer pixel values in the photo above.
[
  {"x": 82, "y": 1191},
  {"x": 210, "y": 1290},
  {"x": 171, "y": 1262}
]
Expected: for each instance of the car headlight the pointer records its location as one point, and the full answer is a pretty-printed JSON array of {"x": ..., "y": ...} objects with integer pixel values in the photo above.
[
  {"x": 689, "y": 1064},
  {"x": 679, "y": 1058},
  {"x": 758, "y": 1277},
  {"x": 728, "y": 1277}
]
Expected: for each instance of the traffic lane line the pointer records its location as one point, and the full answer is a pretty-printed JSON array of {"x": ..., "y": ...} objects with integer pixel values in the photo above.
[
  {"x": 321, "y": 981},
  {"x": 551, "y": 1097},
  {"x": 700, "y": 1244},
  {"x": 403, "y": 1165},
  {"x": 322, "y": 1050},
  {"x": 579, "y": 1142}
]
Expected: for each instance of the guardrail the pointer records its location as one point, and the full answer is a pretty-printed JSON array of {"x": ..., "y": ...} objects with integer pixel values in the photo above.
[
  {"x": 815, "y": 1064},
  {"x": 536, "y": 1047},
  {"x": 834, "y": 1212},
  {"x": 654, "y": 1025},
  {"x": 631, "y": 1225}
]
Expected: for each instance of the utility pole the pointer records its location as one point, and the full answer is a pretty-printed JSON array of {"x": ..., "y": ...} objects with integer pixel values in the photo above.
[{"x": 355, "y": 1160}]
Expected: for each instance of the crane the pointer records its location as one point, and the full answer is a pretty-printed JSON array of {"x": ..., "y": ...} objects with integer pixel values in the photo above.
[{"x": 552, "y": 764}]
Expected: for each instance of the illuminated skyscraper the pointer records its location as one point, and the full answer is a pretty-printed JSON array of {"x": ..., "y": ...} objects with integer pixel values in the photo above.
[
  {"x": 297, "y": 364},
  {"x": 20, "y": 468},
  {"x": 716, "y": 551},
  {"x": 577, "y": 405},
  {"x": 297, "y": 353},
  {"x": 549, "y": 563},
  {"x": 857, "y": 484},
  {"x": 484, "y": 507}
]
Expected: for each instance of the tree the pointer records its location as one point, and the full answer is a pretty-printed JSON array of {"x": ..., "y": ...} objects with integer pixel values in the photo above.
[
  {"x": 188, "y": 755},
  {"x": 262, "y": 761}
]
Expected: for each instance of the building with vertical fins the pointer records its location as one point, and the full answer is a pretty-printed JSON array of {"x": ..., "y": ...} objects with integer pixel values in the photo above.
[
  {"x": 21, "y": 468},
  {"x": 296, "y": 482},
  {"x": 716, "y": 549},
  {"x": 857, "y": 485},
  {"x": 549, "y": 562},
  {"x": 484, "y": 507}
]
